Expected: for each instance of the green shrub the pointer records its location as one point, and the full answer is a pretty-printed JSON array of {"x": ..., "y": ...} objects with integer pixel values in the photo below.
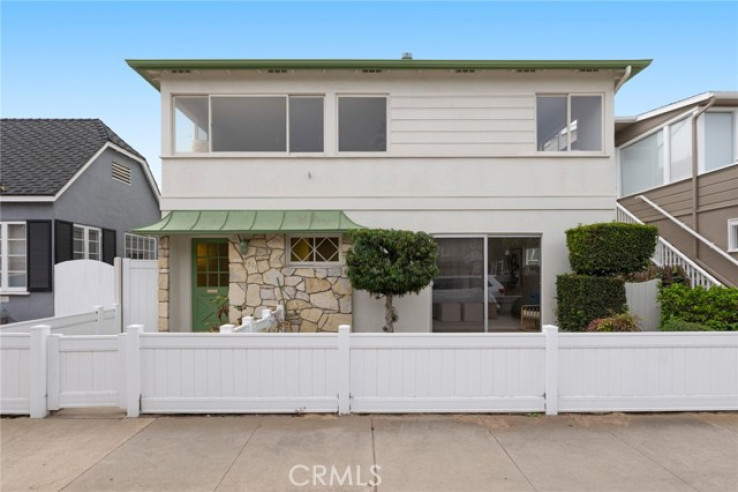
[
  {"x": 716, "y": 308},
  {"x": 612, "y": 248},
  {"x": 676, "y": 324},
  {"x": 582, "y": 299},
  {"x": 619, "y": 322}
]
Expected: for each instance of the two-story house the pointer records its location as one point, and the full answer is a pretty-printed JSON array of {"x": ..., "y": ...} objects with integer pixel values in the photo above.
[
  {"x": 678, "y": 170},
  {"x": 268, "y": 163},
  {"x": 70, "y": 189}
]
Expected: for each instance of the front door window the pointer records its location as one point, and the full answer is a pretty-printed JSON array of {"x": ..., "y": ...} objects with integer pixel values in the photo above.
[{"x": 210, "y": 281}]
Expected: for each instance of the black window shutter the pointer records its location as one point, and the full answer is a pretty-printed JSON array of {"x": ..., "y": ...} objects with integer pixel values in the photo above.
[
  {"x": 39, "y": 255},
  {"x": 63, "y": 232},
  {"x": 108, "y": 246}
]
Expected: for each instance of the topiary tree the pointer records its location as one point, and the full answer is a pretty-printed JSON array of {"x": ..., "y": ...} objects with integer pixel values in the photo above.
[
  {"x": 388, "y": 263},
  {"x": 611, "y": 248}
]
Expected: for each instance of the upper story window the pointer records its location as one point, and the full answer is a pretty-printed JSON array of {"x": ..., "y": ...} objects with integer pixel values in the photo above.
[
  {"x": 13, "y": 275},
  {"x": 733, "y": 235},
  {"x": 86, "y": 244},
  {"x": 720, "y": 139},
  {"x": 362, "y": 124},
  {"x": 569, "y": 123},
  {"x": 140, "y": 247},
  {"x": 248, "y": 124}
]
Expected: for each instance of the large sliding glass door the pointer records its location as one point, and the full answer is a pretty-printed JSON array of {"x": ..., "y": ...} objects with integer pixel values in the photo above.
[{"x": 486, "y": 282}]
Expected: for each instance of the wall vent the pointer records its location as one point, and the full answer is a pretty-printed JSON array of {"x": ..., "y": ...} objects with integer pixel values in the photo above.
[
  {"x": 589, "y": 69},
  {"x": 465, "y": 70},
  {"x": 277, "y": 70},
  {"x": 121, "y": 173},
  {"x": 526, "y": 70},
  {"x": 372, "y": 70},
  {"x": 180, "y": 71}
]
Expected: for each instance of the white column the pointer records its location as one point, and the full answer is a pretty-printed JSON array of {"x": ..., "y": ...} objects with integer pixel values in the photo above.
[
  {"x": 552, "y": 369},
  {"x": 39, "y": 335},
  {"x": 133, "y": 370},
  {"x": 344, "y": 369}
]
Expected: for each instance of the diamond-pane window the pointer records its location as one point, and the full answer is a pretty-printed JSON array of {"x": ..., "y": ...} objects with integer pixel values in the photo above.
[{"x": 314, "y": 250}]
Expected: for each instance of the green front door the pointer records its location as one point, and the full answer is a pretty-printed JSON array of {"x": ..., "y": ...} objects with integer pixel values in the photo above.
[{"x": 209, "y": 281}]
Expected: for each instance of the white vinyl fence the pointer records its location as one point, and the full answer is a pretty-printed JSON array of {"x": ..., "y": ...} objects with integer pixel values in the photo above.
[
  {"x": 98, "y": 321},
  {"x": 369, "y": 372},
  {"x": 137, "y": 291}
]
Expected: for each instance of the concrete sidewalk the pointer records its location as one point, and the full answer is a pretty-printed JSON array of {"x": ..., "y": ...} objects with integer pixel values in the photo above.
[{"x": 99, "y": 451}]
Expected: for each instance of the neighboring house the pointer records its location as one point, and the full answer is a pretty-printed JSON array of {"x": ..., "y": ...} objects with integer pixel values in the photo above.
[
  {"x": 683, "y": 159},
  {"x": 69, "y": 189},
  {"x": 268, "y": 163}
]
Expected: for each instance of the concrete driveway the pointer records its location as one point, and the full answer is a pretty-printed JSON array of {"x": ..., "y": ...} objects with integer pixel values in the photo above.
[{"x": 102, "y": 450}]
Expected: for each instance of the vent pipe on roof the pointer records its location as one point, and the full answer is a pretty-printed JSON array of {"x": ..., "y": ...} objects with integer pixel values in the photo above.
[{"x": 407, "y": 56}]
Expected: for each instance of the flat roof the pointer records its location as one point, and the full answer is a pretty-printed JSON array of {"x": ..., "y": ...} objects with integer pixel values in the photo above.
[{"x": 149, "y": 68}]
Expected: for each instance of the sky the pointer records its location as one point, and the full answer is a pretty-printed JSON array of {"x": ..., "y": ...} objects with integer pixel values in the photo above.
[{"x": 65, "y": 59}]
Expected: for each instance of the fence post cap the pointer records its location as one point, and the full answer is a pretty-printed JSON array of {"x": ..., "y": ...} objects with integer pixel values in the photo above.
[
  {"x": 134, "y": 328},
  {"x": 344, "y": 328},
  {"x": 227, "y": 328},
  {"x": 553, "y": 328}
]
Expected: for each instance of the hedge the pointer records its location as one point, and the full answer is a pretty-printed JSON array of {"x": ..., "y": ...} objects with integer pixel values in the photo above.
[
  {"x": 612, "y": 248},
  {"x": 582, "y": 299},
  {"x": 716, "y": 308},
  {"x": 676, "y": 324}
]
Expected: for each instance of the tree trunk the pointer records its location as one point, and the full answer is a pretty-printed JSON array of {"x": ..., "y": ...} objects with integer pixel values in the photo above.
[{"x": 389, "y": 314}]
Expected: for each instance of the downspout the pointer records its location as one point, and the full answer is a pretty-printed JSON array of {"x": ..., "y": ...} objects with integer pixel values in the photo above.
[
  {"x": 623, "y": 79},
  {"x": 695, "y": 170}
]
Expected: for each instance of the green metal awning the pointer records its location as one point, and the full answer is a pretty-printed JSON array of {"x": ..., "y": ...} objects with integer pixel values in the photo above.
[{"x": 250, "y": 222}]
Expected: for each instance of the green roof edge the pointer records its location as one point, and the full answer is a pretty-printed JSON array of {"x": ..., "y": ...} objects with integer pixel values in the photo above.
[{"x": 141, "y": 66}]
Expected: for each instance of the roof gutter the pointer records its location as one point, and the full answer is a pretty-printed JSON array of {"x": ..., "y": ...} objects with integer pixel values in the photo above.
[
  {"x": 622, "y": 80},
  {"x": 695, "y": 184}
]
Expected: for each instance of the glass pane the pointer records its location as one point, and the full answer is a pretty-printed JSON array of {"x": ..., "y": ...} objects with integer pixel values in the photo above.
[
  {"x": 94, "y": 256},
  {"x": 79, "y": 233},
  {"x": 202, "y": 265},
  {"x": 458, "y": 291},
  {"x": 16, "y": 279},
  {"x": 213, "y": 264},
  {"x": 17, "y": 263},
  {"x": 642, "y": 164},
  {"x": 551, "y": 123},
  {"x": 16, "y": 231},
  {"x": 213, "y": 280},
  {"x": 223, "y": 249},
  {"x": 77, "y": 255},
  {"x": 93, "y": 248},
  {"x": 300, "y": 250},
  {"x": 362, "y": 124},
  {"x": 212, "y": 249},
  {"x": 326, "y": 249},
  {"x": 249, "y": 124},
  {"x": 201, "y": 280},
  {"x": 191, "y": 124},
  {"x": 718, "y": 140},
  {"x": 586, "y": 123},
  {"x": 223, "y": 265},
  {"x": 681, "y": 150},
  {"x": 17, "y": 247},
  {"x": 202, "y": 249},
  {"x": 306, "y": 124},
  {"x": 94, "y": 235}
]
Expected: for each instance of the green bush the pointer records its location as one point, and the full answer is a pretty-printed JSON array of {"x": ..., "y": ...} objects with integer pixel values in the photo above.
[
  {"x": 582, "y": 299},
  {"x": 612, "y": 248},
  {"x": 716, "y": 308},
  {"x": 676, "y": 324},
  {"x": 619, "y": 322}
]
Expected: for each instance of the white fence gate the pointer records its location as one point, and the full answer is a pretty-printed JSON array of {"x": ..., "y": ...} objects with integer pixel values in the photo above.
[{"x": 137, "y": 292}]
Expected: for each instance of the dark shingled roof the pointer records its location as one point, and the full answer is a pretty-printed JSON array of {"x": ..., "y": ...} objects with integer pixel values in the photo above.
[{"x": 39, "y": 156}]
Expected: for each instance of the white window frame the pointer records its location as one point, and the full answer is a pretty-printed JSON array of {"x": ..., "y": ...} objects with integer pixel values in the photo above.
[
  {"x": 702, "y": 157},
  {"x": 86, "y": 240},
  {"x": 4, "y": 258},
  {"x": 145, "y": 246},
  {"x": 256, "y": 153},
  {"x": 733, "y": 235},
  {"x": 569, "y": 151},
  {"x": 336, "y": 123},
  {"x": 313, "y": 264}
]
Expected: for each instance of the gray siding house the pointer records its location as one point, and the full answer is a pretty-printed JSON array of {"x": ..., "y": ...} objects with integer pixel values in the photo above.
[{"x": 69, "y": 189}]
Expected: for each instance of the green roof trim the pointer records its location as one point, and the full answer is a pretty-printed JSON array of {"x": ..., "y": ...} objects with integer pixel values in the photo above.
[
  {"x": 144, "y": 66},
  {"x": 250, "y": 222}
]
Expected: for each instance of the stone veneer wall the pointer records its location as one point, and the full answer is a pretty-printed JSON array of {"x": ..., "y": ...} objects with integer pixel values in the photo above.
[
  {"x": 163, "y": 283},
  {"x": 317, "y": 299}
]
